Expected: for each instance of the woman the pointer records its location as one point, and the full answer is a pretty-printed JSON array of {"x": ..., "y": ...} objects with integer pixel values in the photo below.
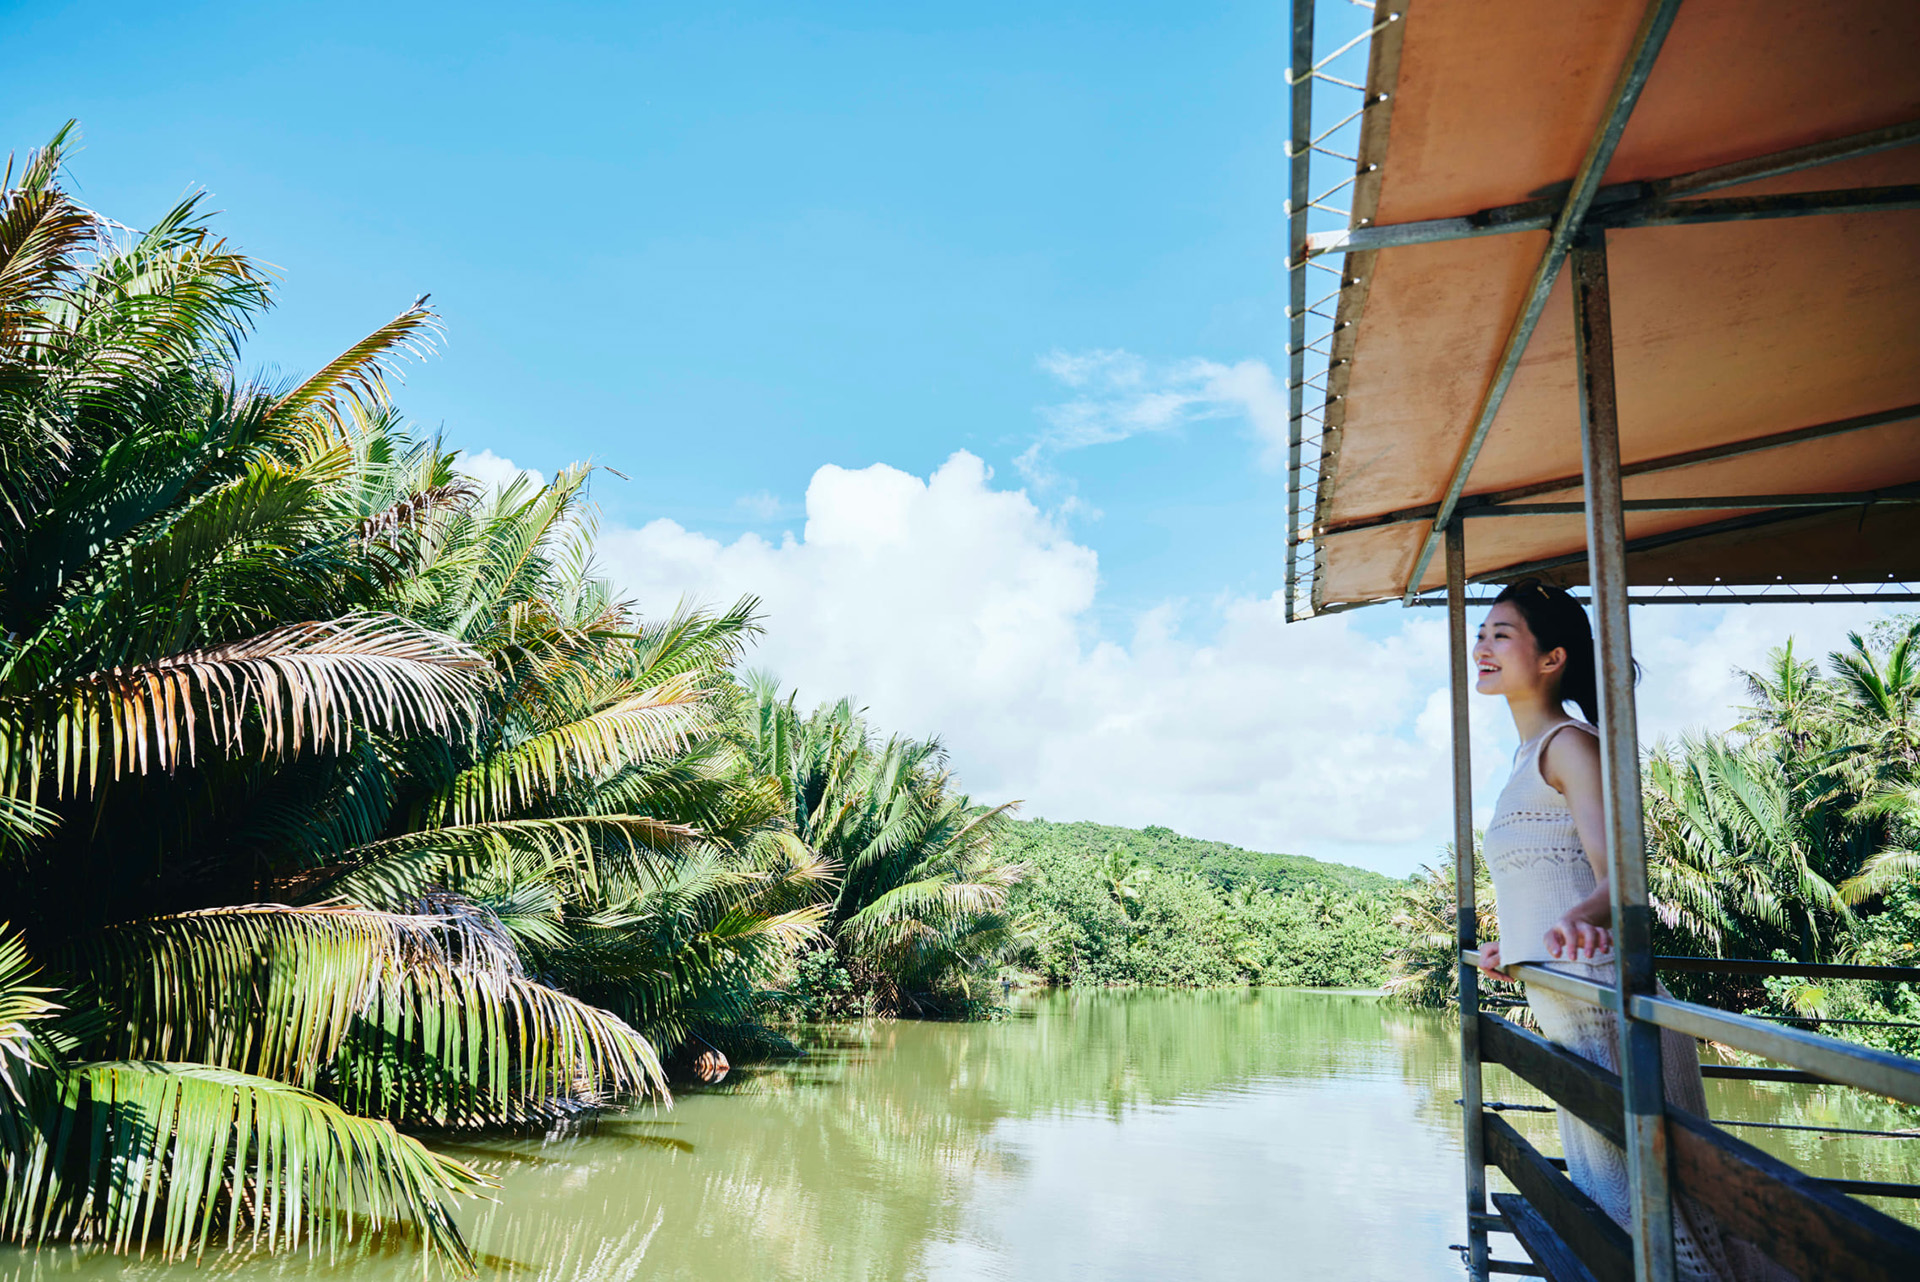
[{"x": 1547, "y": 849}]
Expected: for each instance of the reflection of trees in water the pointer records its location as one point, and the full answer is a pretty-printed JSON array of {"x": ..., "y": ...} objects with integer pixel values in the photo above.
[{"x": 850, "y": 1162}]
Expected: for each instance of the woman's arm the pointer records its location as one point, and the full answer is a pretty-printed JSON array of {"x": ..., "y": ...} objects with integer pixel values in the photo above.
[{"x": 1571, "y": 763}]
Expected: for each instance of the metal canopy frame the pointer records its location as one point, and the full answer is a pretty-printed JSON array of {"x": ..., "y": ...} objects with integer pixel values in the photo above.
[
  {"x": 1585, "y": 207},
  {"x": 1812, "y": 1227}
]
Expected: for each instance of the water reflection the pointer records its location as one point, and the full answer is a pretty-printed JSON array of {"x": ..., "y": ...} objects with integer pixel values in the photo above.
[{"x": 1219, "y": 1135}]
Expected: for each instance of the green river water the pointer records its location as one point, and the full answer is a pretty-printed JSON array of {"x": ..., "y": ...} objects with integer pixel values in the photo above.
[{"x": 1148, "y": 1135}]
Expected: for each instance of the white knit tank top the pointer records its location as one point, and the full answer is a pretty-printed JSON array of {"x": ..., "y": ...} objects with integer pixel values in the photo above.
[{"x": 1539, "y": 867}]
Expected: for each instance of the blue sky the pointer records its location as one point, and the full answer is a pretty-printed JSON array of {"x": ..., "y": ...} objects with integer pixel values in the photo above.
[
  {"x": 951, "y": 333},
  {"x": 719, "y": 246}
]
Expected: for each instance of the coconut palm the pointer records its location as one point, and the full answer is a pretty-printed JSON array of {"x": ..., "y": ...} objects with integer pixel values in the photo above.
[
  {"x": 1881, "y": 705},
  {"x": 920, "y": 914},
  {"x": 1426, "y": 914},
  {"x": 333, "y": 792}
]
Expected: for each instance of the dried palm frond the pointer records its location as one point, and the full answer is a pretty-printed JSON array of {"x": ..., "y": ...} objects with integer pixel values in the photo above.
[{"x": 307, "y": 687}]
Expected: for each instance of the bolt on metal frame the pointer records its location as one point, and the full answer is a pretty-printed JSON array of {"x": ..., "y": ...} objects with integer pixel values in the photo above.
[{"x": 1565, "y": 1236}]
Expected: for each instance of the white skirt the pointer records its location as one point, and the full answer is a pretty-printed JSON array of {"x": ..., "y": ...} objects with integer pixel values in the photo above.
[{"x": 1598, "y": 1167}]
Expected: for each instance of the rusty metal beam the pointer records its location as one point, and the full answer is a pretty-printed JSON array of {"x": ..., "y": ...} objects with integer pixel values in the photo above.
[
  {"x": 1664, "y": 463},
  {"x": 1465, "y": 914},
  {"x": 1632, "y": 919},
  {"x": 1648, "y": 542},
  {"x": 1737, "y": 209},
  {"x": 1619, "y": 198},
  {"x": 1790, "y": 161},
  {"x": 1904, "y": 494},
  {"x": 1300, "y": 154},
  {"x": 1710, "y": 598}
]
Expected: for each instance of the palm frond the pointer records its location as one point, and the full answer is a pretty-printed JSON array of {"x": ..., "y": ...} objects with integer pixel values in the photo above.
[
  {"x": 398, "y": 870},
  {"x": 308, "y": 687},
  {"x": 460, "y": 1048},
  {"x": 171, "y": 1155},
  {"x": 359, "y": 373},
  {"x": 650, "y": 724},
  {"x": 265, "y": 988}
]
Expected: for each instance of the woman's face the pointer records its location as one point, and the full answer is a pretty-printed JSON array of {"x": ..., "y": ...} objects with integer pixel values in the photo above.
[{"x": 1507, "y": 659}]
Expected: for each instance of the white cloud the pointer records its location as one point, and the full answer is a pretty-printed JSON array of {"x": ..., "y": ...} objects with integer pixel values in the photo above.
[
  {"x": 762, "y": 505},
  {"x": 1120, "y": 395},
  {"x": 495, "y": 472},
  {"x": 950, "y": 607}
]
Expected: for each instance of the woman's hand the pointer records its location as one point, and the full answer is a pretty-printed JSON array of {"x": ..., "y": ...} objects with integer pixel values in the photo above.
[
  {"x": 1573, "y": 938},
  {"x": 1490, "y": 961}
]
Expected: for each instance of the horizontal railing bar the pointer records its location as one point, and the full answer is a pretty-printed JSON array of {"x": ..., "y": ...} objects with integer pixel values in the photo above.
[
  {"x": 1815, "y": 970},
  {"x": 1554, "y": 981},
  {"x": 1851, "y": 1023},
  {"x": 1847, "y": 1063},
  {"x": 1615, "y": 203},
  {"x": 1820, "y": 1130},
  {"x": 1871, "y": 1188},
  {"x": 1742, "y": 1073},
  {"x": 1705, "y": 503}
]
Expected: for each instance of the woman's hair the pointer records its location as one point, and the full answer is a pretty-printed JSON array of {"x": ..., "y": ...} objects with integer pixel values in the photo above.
[{"x": 1557, "y": 621}]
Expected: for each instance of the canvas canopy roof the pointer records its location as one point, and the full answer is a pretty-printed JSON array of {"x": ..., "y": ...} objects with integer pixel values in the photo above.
[{"x": 1726, "y": 333}]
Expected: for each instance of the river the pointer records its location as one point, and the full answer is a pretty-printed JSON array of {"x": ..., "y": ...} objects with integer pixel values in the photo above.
[{"x": 1112, "y": 1136}]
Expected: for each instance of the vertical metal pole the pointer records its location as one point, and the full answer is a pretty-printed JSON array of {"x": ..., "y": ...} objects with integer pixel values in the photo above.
[
  {"x": 1646, "y": 1130},
  {"x": 1466, "y": 927},
  {"x": 1300, "y": 154}
]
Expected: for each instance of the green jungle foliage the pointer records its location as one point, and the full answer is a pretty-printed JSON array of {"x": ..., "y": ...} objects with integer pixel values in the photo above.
[
  {"x": 919, "y": 913},
  {"x": 1162, "y": 849},
  {"x": 1794, "y": 836},
  {"x": 340, "y": 800},
  {"x": 1098, "y": 914}
]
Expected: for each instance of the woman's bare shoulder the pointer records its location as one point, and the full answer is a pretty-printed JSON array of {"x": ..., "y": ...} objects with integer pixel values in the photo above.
[{"x": 1570, "y": 759}]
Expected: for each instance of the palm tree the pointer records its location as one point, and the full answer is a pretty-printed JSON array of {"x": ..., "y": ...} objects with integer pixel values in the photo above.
[
  {"x": 1882, "y": 707},
  {"x": 1126, "y": 879},
  {"x": 920, "y": 914},
  {"x": 1426, "y": 915},
  {"x": 333, "y": 793}
]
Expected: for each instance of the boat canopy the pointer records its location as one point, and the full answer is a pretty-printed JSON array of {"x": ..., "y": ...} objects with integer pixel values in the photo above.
[{"x": 1765, "y": 361}]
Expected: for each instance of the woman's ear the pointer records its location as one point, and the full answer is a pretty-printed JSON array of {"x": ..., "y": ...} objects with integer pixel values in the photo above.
[{"x": 1554, "y": 660}]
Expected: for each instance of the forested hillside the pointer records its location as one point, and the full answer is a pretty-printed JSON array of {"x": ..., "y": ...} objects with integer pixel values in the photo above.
[
  {"x": 1164, "y": 850},
  {"x": 1105, "y": 906}
]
